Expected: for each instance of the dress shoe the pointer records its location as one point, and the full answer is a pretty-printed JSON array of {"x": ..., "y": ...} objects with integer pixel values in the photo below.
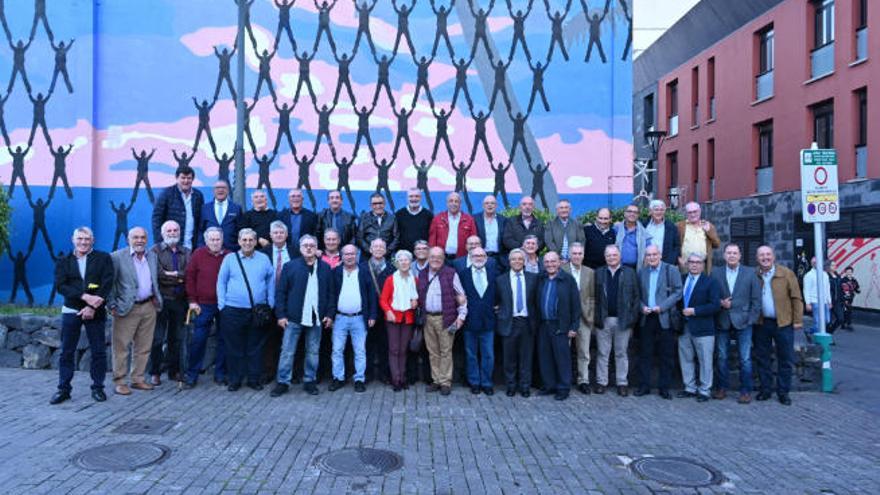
[
  {"x": 475, "y": 390},
  {"x": 665, "y": 394},
  {"x": 122, "y": 390},
  {"x": 623, "y": 391},
  {"x": 188, "y": 385},
  {"x": 396, "y": 388},
  {"x": 59, "y": 397},
  {"x": 641, "y": 392},
  {"x": 600, "y": 389},
  {"x": 310, "y": 388},
  {"x": 156, "y": 380},
  {"x": 744, "y": 398},
  {"x": 525, "y": 393},
  {"x": 336, "y": 385},
  {"x": 359, "y": 387},
  {"x": 232, "y": 387},
  {"x": 584, "y": 388},
  {"x": 511, "y": 392},
  {"x": 719, "y": 394},
  {"x": 255, "y": 386},
  {"x": 445, "y": 390},
  {"x": 220, "y": 381},
  {"x": 99, "y": 395},
  {"x": 489, "y": 390},
  {"x": 561, "y": 395},
  {"x": 279, "y": 389},
  {"x": 762, "y": 396},
  {"x": 142, "y": 386},
  {"x": 296, "y": 380},
  {"x": 684, "y": 394},
  {"x": 785, "y": 400},
  {"x": 546, "y": 391},
  {"x": 432, "y": 388},
  {"x": 702, "y": 398}
]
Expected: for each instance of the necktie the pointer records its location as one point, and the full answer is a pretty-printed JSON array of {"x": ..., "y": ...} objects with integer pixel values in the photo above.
[
  {"x": 687, "y": 292},
  {"x": 519, "y": 293},
  {"x": 278, "y": 264}
]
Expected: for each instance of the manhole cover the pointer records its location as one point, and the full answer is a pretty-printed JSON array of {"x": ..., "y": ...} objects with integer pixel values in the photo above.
[
  {"x": 676, "y": 471},
  {"x": 145, "y": 427},
  {"x": 126, "y": 456},
  {"x": 359, "y": 462}
]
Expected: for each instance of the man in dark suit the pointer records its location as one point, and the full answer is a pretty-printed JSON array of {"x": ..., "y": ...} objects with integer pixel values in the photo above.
[
  {"x": 300, "y": 221},
  {"x": 279, "y": 252},
  {"x": 223, "y": 213},
  {"x": 617, "y": 312},
  {"x": 465, "y": 262},
  {"x": 379, "y": 269},
  {"x": 354, "y": 308},
  {"x": 701, "y": 301},
  {"x": 517, "y": 321},
  {"x": 526, "y": 223},
  {"x": 660, "y": 285},
  {"x": 479, "y": 282},
  {"x": 84, "y": 278},
  {"x": 740, "y": 309},
  {"x": 663, "y": 232},
  {"x": 560, "y": 309},
  {"x": 490, "y": 229},
  {"x": 302, "y": 305},
  {"x": 334, "y": 217},
  {"x": 181, "y": 203}
]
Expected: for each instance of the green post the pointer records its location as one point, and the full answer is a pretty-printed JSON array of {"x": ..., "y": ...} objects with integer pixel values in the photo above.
[{"x": 824, "y": 339}]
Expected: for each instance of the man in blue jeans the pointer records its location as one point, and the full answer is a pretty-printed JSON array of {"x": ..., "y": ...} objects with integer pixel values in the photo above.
[
  {"x": 355, "y": 308},
  {"x": 740, "y": 309},
  {"x": 303, "y": 305}
]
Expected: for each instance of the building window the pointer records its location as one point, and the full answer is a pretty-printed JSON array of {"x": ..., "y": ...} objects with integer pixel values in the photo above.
[
  {"x": 710, "y": 167},
  {"x": 672, "y": 107},
  {"x": 862, "y": 136},
  {"x": 766, "y": 42},
  {"x": 672, "y": 188},
  {"x": 695, "y": 172},
  {"x": 861, "y": 18},
  {"x": 695, "y": 96},
  {"x": 823, "y": 124},
  {"x": 823, "y": 22},
  {"x": 765, "y": 144},
  {"x": 711, "y": 87},
  {"x": 648, "y": 112},
  {"x": 748, "y": 233},
  {"x": 863, "y": 14}
]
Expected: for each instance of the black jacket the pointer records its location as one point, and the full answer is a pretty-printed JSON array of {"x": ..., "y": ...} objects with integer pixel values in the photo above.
[
  {"x": 169, "y": 206},
  {"x": 290, "y": 290},
  {"x": 505, "y": 299},
  {"x": 568, "y": 301},
  {"x": 308, "y": 225},
  {"x": 368, "y": 230},
  {"x": 259, "y": 221},
  {"x": 515, "y": 231},
  {"x": 98, "y": 281},
  {"x": 628, "y": 300},
  {"x": 347, "y": 226},
  {"x": 481, "y": 229},
  {"x": 671, "y": 247}
]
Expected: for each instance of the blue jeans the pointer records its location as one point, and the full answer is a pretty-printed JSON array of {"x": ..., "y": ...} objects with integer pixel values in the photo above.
[
  {"x": 479, "y": 369},
  {"x": 201, "y": 330},
  {"x": 71, "y": 325},
  {"x": 815, "y": 327},
  {"x": 744, "y": 345},
  {"x": 343, "y": 327},
  {"x": 288, "y": 349},
  {"x": 766, "y": 335}
]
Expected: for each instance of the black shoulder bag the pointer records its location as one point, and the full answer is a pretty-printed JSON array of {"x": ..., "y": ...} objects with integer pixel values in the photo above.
[{"x": 261, "y": 313}]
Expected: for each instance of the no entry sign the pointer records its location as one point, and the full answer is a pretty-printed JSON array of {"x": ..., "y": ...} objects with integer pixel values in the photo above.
[{"x": 820, "y": 200}]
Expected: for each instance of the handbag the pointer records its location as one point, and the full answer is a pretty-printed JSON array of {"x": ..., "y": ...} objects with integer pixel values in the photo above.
[
  {"x": 261, "y": 314},
  {"x": 417, "y": 340}
]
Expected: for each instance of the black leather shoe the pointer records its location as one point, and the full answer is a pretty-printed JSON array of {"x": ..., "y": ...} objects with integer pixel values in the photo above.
[
  {"x": 489, "y": 390},
  {"x": 445, "y": 390},
  {"x": 584, "y": 388},
  {"x": 600, "y": 389},
  {"x": 59, "y": 397},
  {"x": 255, "y": 386},
  {"x": 762, "y": 396},
  {"x": 475, "y": 390},
  {"x": 99, "y": 395},
  {"x": 561, "y": 395},
  {"x": 623, "y": 391},
  {"x": 336, "y": 385},
  {"x": 785, "y": 400},
  {"x": 641, "y": 392},
  {"x": 233, "y": 387},
  {"x": 684, "y": 394},
  {"x": 279, "y": 390},
  {"x": 547, "y": 391},
  {"x": 359, "y": 387},
  {"x": 665, "y": 394},
  {"x": 702, "y": 398},
  {"x": 511, "y": 392},
  {"x": 310, "y": 388},
  {"x": 525, "y": 393}
]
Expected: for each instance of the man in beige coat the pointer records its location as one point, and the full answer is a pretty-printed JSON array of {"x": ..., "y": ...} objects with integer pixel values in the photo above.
[
  {"x": 697, "y": 236},
  {"x": 583, "y": 275}
]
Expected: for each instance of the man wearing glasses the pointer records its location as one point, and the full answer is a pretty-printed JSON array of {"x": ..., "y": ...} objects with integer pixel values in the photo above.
[
  {"x": 377, "y": 224},
  {"x": 697, "y": 236}
]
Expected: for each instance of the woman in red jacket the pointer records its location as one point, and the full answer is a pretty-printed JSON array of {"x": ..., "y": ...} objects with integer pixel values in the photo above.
[{"x": 398, "y": 300}]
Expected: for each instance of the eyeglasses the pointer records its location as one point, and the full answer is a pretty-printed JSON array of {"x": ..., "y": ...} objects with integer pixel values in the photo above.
[
  {"x": 378, "y": 203},
  {"x": 696, "y": 262}
]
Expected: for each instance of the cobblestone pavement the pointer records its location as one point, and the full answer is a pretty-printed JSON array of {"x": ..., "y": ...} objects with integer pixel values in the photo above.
[{"x": 247, "y": 442}]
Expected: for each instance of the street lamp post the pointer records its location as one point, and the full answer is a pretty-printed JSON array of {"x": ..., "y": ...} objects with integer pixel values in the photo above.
[
  {"x": 654, "y": 138},
  {"x": 238, "y": 190}
]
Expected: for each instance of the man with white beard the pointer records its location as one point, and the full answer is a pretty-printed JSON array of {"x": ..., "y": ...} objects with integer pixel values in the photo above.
[{"x": 172, "y": 259}]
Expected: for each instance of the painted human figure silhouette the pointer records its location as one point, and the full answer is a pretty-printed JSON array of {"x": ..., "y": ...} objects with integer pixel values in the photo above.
[
  {"x": 403, "y": 132},
  {"x": 364, "y": 9},
  {"x": 39, "y": 225},
  {"x": 595, "y": 23},
  {"x": 344, "y": 79},
  {"x": 18, "y": 52},
  {"x": 499, "y": 189},
  {"x": 303, "y": 168},
  {"x": 3, "y": 119},
  {"x": 247, "y": 20},
  {"x": 461, "y": 182},
  {"x": 442, "y": 133},
  {"x": 204, "y": 122},
  {"x": 538, "y": 182},
  {"x": 3, "y": 21},
  {"x": 519, "y": 135},
  {"x": 247, "y": 125},
  {"x": 382, "y": 183},
  {"x": 143, "y": 170},
  {"x": 324, "y": 24},
  {"x": 264, "y": 162},
  {"x": 54, "y": 291},
  {"x": 39, "y": 117},
  {"x": 519, "y": 29},
  {"x": 61, "y": 65},
  {"x": 40, "y": 15},
  {"x": 284, "y": 7},
  {"x": 422, "y": 80},
  {"x": 304, "y": 78},
  {"x": 538, "y": 85},
  {"x": 422, "y": 181},
  {"x": 121, "y": 212},
  {"x": 224, "y": 74},
  {"x": 265, "y": 73},
  {"x": 480, "y": 120},
  {"x": 556, "y": 22},
  {"x": 284, "y": 112},
  {"x": 343, "y": 166},
  {"x": 60, "y": 170},
  {"x": 629, "y": 36},
  {"x": 442, "y": 15},
  {"x": 403, "y": 12},
  {"x": 19, "y": 276},
  {"x": 18, "y": 169},
  {"x": 184, "y": 159},
  {"x": 500, "y": 84},
  {"x": 363, "y": 132},
  {"x": 223, "y": 163},
  {"x": 323, "y": 126},
  {"x": 461, "y": 68},
  {"x": 383, "y": 80},
  {"x": 481, "y": 27}
]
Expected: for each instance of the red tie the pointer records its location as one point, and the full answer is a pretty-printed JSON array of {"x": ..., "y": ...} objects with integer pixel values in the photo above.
[{"x": 278, "y": 264}]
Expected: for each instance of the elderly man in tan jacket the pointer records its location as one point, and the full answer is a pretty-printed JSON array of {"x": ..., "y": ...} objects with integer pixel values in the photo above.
[
  {"x": 584, "y": 277},
  {"x": 697, "y": 236}
]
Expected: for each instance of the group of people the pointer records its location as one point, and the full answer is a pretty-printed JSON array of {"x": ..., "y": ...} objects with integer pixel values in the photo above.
[{"x": 408, "y": 291}]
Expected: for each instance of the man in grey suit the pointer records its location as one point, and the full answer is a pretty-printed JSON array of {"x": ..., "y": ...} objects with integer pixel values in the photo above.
[
  {"x": 740, "y": 309},
  {"x": 617, "y": 311},
  {"x": 660, "y": 285},
  {"x": 563, "y": 231},
  {"x": 134, "y": 301}
]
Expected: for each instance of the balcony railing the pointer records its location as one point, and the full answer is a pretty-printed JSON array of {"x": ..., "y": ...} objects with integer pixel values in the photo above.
[
  {"x": 765, "y": 180},
  {"x": 673, "y": 125},
  {"x": 712, "y": 108},
  {"x": 764, "y": 85},
  {"x": 862, "y": 44},
  {"x": 861, "y": 162},
  {"x": 822, "y": 60},
  {"x": 695, "y": 116}
]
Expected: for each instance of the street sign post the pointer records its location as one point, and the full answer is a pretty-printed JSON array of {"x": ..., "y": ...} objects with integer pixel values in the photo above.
[{"x": 820, "y": 203}]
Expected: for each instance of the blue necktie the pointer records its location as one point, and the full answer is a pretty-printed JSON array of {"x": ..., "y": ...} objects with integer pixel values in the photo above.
[
  {"x": 519, "y": 293},
  {"x": 687, "y": 292}
]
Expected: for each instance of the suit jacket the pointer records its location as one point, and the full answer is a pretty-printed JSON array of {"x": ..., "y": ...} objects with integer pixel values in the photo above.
[
  {"x": 505, "y": 300},
  {"x": 745, "y": 303},
  {"x": 706, "y": 301},
  {"x": 587, "y": 293},
  {"x": 98, "y": 280},
  {"x": 481, "y": 310},
  {"x": 290, "y": 290},
  {"x": 269, "y": 251},
  {"x": 671, "y": 247},
  {"x": 368, "y": 294},
  {"x": 480, "y": 222},
  {"x": 627, "y": 297},
  {"x": 229, "y": 224},
  {"x": 667, "y": 294},
  {"x": 347, "y": 226},
  {"x": 554, "y": 232},
  {"x": 169, "y": 206},
  {"x": 439, "y": 232},
  {"x": 515, "y": 231},
  {"x": 461, "y": 264},
  {"x": 308, "y": 224},
  {"x": 125, "y": 284},
  {"x": 568, "y": 301}
]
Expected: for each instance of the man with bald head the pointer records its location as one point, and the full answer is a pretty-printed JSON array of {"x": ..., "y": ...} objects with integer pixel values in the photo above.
[
  {"x": 697, "y": 236},
  {"x": 172, "y": 259},
  {"x": 451, "y": 228},
  {"x": 490, "y": 228},
  {"x": 413, "y": 220},
  {"x": 597, "y": 235},
  {"x": 526, "y": 223},
  {"x": 299, "y": 220}
]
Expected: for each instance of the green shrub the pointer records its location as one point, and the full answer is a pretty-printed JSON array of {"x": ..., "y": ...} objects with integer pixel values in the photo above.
[{"x": 5, "y": 219}]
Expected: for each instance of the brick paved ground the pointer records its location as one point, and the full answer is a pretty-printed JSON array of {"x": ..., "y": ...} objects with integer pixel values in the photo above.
[{"x": 247, "y": 442}]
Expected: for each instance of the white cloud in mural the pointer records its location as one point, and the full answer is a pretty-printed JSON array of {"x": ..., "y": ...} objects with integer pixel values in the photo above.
[{"x": 577, "y": 181}]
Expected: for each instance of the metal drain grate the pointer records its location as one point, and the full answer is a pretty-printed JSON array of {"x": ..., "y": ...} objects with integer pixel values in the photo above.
[
  {"x": 359, "y": 462},
  {"x": 676, "y": 471},
  {"x": 126, "y": 456},
  {"x": 145, "y": 427}
]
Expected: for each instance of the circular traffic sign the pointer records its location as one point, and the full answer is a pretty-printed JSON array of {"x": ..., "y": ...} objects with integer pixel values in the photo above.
[
  {"x": 832, "y": 208},
  {"x": 811, "y": 208},
  {"x": 820, "y": 175},
  {"x": 822, "y": 208}
]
